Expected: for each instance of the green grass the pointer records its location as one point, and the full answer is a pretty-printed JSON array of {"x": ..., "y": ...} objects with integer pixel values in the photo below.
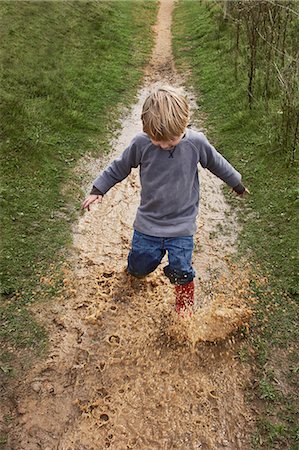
[
  {"x": 67, "y": 68},
  {"x": 248, "y": 139}
]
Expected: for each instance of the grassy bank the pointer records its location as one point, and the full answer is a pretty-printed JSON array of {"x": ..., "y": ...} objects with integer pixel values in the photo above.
[
  {"x": 67, "y": 67},
  {"x": 203, "y": 47}
]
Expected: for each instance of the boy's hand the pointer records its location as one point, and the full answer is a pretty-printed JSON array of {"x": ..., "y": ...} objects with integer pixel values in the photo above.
[
  {"x": 240, "y": 190},
  {"x": 246, "y": 192},
  {"x": 242, "y": 194},
  {"x": 91, "y": 199}
]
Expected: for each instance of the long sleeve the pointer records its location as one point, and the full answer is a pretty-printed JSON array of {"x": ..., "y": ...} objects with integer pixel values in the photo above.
[
  {"x": 213, "y": 161},
  {"x": 95, "y": 191},
  {"x": 119, "y": 169}
]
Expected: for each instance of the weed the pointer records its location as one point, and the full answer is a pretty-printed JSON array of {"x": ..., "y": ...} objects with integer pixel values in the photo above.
[
  {"x": 243, "y": 353},
  {"x": 266, "y": 389},
  {"x": 3, "y": 439}
]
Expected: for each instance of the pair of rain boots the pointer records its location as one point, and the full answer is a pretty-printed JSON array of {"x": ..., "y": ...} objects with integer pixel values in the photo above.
[{"x": 184, "y": 298}]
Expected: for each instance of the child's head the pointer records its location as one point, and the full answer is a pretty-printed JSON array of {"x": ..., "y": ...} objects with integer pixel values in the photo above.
[{"x": 165, "y": 115}]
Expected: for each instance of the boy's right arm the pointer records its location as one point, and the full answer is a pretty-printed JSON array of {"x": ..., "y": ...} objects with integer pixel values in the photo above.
[{"x": 117, "y": 171}]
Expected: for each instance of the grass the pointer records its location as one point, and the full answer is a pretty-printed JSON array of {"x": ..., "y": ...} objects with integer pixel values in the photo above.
[
  {"x": 67, "y": 68},
  {"x": 248, "y": 139}
]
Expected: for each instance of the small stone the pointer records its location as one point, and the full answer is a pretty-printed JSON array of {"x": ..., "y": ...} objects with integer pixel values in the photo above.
[
  {"x": 21, "y": 409},
  {"x": 51, "y": 390},
  {"x": 23, "y": 419},
  {"x": 36, "y": 386}
]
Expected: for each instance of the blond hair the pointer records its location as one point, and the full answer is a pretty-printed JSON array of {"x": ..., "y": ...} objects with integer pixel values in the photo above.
[{"x": 165, "y": 114}]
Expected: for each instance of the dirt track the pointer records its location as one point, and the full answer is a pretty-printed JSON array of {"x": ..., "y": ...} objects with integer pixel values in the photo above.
[{"x": 123, "y": 371}]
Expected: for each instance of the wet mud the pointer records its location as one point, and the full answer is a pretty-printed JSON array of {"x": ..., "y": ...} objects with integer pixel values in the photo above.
[{"x": 124, "y": 371}]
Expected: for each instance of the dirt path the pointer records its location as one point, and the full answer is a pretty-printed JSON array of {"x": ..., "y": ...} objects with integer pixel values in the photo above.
[{"x": 123, "y": 371}]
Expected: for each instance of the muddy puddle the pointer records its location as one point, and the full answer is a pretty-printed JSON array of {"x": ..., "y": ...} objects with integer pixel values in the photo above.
[{"x": 124, "y": 371}]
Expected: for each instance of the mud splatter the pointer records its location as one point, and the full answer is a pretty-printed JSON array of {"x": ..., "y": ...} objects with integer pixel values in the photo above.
[{"x": 123, "y": 371}]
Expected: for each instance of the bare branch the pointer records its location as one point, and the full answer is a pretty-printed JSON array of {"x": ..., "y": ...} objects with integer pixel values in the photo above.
[{"x": 276, "y": 49}]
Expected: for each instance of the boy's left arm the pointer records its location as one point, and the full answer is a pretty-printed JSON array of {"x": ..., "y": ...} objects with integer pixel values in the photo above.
[{"x": 212, "y": 160}]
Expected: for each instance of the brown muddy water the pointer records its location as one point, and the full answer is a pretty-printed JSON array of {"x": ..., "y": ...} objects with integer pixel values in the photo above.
[{"x": 124, "y": 371}]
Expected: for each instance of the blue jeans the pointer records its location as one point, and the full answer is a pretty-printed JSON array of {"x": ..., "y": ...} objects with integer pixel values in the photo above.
[{"x": 147, "y": 252}]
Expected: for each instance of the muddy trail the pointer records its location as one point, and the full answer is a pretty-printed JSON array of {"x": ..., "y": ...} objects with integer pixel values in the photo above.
[{"x": 123, "y": 371}]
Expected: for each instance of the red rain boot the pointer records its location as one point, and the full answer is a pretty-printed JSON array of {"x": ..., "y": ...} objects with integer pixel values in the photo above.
[{"x": 184, "y": 297}]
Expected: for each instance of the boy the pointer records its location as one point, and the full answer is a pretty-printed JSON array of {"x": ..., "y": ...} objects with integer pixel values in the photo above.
[{"x": 167, "y": 153}]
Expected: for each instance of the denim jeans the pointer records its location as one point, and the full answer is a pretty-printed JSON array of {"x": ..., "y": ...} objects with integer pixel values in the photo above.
[{"x": 147, "y": 252}]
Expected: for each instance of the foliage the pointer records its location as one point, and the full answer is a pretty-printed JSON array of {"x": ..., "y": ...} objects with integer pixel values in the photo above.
[{"x": 266, "y": 37}]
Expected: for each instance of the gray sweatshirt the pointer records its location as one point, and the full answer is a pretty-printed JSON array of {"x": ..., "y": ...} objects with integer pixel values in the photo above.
[{"x": 169, "y": 181}]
